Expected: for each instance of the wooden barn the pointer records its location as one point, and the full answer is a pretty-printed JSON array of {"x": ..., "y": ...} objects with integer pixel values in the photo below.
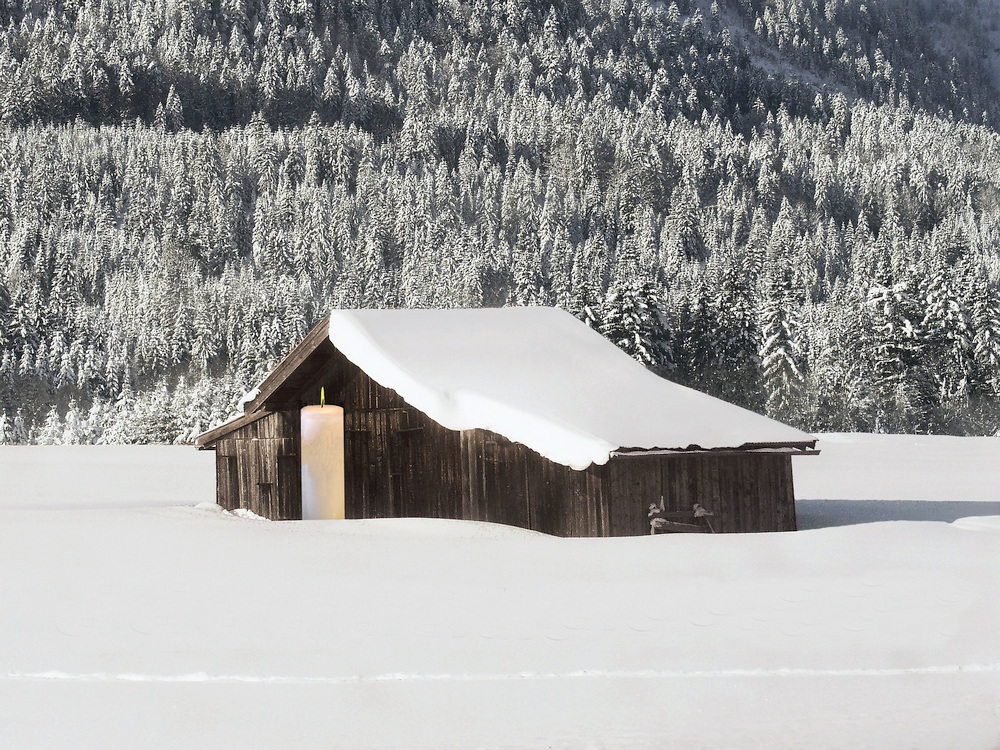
[{"x": 522, "y": 416}]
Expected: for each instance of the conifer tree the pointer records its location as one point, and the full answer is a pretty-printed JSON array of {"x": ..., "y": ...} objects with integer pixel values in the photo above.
[
  {"x": 632, "y": 319},
  {"x": 780, "y": 367},
  {"x": 947, "y": 338},
  {"x": 737, "y": 368},
  {"x": 173, "y": 112},
  {"x": 895, "y": 350},
  {"x": 985, "y": 379},
  {"x": 697, "y": 347}
]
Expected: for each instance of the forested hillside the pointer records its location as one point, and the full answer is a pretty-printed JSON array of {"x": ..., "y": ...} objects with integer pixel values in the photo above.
[{"x": 793, "y": 204}]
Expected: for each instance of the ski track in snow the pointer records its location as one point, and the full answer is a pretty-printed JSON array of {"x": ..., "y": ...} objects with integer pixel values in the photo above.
[{"x": 201, "y": 677}]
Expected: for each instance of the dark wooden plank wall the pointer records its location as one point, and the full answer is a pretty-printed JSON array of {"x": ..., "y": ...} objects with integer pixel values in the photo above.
[
  {"x": 631, "y": 484},
  {"x": 506, "y": 482},
  {"x": 398, "y": 462},
  {"x": 746, "y": 492},
  {"x": 257, "y": 467}
]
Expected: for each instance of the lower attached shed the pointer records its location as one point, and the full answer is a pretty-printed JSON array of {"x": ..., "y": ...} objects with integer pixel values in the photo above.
[{"x": 522, "y": 416}]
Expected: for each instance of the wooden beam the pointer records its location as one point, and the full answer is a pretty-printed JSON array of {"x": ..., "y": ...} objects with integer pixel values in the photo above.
[
  {"x": 803, "y": 444},
  {"x": 660, "y": 525}
]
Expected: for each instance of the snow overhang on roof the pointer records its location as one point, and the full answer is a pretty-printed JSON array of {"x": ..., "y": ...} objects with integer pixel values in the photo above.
[{"x": 539, "y": 376}]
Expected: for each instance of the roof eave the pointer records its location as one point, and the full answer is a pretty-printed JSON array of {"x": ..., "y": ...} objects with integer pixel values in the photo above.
[
  {"x": 803, "y": 448},
  {"x": 207, "y": 440},
  {"x": 319, "y": 333}
]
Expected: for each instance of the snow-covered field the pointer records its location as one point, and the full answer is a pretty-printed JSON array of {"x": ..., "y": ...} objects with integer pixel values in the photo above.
[{"x": 128, "y": 620}]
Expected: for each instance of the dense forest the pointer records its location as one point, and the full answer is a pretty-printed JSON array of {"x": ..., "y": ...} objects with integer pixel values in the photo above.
[{"x": 792, "y": 204}]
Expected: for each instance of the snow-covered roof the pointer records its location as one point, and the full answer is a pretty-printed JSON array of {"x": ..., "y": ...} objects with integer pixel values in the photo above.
[{"x": 539, "y": 376}]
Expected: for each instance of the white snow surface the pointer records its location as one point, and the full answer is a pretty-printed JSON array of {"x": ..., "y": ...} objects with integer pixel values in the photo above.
[
  {"x": 901, "y": 467},
  {"x": 91, "y": 476},
  {"x": 539, "y": 376},
  {"x": 127, "y": 624}
]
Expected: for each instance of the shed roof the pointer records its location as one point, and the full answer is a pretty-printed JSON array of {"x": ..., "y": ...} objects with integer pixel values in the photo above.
[
  {"x": 535, "y": 375},
  {"x": 539, "y": 376}
]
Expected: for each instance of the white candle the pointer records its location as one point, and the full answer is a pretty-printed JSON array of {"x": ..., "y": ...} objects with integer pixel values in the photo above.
[{"x": 322, "y": 462}]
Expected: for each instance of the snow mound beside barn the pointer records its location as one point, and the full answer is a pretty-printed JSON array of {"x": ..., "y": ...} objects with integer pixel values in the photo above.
[{"x": 540, "y": 377}]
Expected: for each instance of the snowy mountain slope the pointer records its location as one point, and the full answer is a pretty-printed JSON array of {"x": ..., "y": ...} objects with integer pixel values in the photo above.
[
  {"x": 871, "y": 49},
  {"x": 189, "y": 627},
  {"x": 187, "y": 188}
]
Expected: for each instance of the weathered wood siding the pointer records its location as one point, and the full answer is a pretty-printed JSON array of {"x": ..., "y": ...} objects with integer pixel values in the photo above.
[
  {"x": 745, "y": 491},
  {"x": 257, "y": 467},
  {"x": 505, "y": 482}
]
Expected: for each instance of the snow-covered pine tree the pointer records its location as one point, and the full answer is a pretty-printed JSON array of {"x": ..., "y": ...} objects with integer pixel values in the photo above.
[
  {"x": 895, "y": 352},
  {"x": 984, "y": 383},
  {"x": 947, "y": 341},
  {"x": 696, "y": 345},
  {"x": 51, "y": 432},
  {"x": 737, "y": 367},
  {"x": 633, "y": 319},
  {"x": 685, "y": 229},
  {"x": 985, "y": 315},
  {"x": 780, "y": 360},
  {"x": 173, "y": 111},
  {"x": 19, "y": 429},
  {"x": 74, "y": 427}
]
